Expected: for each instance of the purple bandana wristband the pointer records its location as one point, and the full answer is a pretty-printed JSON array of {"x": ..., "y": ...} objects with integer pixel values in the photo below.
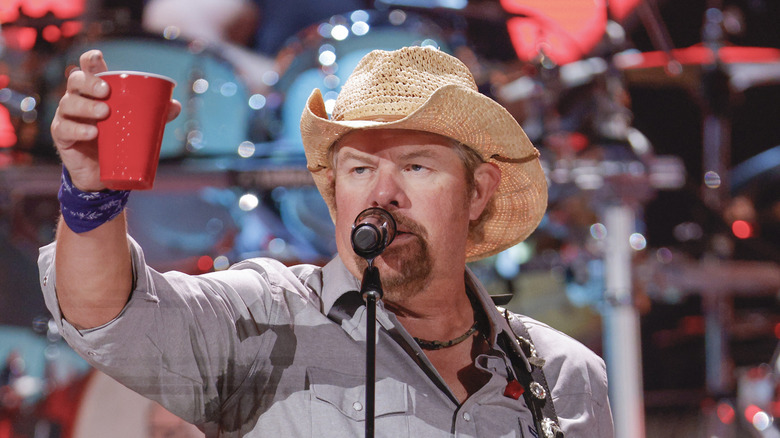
[{"x": 84, "y": 211}]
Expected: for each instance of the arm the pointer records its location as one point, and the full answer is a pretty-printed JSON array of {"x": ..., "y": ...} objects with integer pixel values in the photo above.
[{"x": 94, "y": 273}]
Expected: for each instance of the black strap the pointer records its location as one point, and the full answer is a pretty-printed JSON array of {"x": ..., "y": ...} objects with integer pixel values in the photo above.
[
  {"x": 346, "y": 306},
  {"x": 537, "y": 392}
]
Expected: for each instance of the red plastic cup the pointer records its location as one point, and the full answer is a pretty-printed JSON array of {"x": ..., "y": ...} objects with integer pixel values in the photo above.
[{"x": 129, "y": 139}]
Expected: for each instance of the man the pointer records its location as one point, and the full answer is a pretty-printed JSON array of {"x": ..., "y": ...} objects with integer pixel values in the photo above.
[{"x": 268, "y": 350}]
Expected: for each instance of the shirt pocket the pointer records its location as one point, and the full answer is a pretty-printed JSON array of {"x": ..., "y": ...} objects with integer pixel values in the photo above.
[{"x": 338, "y": 405}]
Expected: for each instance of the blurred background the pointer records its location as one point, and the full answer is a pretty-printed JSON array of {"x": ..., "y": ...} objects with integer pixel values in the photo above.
[{"x": 659, "y": 130}]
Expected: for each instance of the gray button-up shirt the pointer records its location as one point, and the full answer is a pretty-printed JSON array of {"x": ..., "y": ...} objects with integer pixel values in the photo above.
[{"x": 251, "y": 352}]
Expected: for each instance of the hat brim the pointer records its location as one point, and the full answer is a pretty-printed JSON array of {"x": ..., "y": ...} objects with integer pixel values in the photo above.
[{"x": 472, "y": 119}]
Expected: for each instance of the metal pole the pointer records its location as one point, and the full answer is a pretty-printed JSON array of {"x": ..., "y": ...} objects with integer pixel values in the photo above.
[
  {"x": 621, "y": 327},
  {"x": 371, "y": 298},
  {"x": 371, "y": 289}
]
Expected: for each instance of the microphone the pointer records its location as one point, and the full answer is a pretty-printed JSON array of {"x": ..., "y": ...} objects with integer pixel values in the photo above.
[{"x": 372, "y": 232}]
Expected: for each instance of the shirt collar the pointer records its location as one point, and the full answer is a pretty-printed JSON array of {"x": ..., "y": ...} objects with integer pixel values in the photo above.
[
  {"x": 336, "y": 281},
  {"x": 498, "y": 323}
]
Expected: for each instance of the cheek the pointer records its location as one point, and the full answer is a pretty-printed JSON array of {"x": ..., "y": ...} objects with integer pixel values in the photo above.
[
  {"x": 447, "y": 208},
  {"x": 346, "y": 207}
]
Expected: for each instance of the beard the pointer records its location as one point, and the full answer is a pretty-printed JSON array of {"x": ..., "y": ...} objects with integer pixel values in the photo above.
[{"x": 404, "y": 269}]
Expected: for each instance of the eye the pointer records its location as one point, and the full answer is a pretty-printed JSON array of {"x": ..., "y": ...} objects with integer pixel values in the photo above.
[
  {"x": 416, "y": 167},
  {"x": 359, "y": 170}
]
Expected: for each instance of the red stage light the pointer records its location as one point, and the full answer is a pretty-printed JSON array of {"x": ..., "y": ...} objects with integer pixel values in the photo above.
[
  {"x": 9, "y": 11},
  {"x": 35, "y": 8},
  {"x": 742, "y": 229},
  {"x": 70, "y": 28},
  {"x": 24, "y": 38},
  {"x": 205, "y": 263},
  {"x": 51, "y": 33},
  {"x": 565, "y": 30},
  {"x": 726, "y": 413},
  {"x": 750, "y": 412},
  {"x": 7, "y": 131},
  {"x": 20, "y": 38},
  {"x": 67, "y": 8},
  {"x": 619, "y": 9}
]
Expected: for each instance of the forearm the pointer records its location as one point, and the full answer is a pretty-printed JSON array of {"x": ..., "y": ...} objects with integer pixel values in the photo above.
[{"x": 94, "y": 272}]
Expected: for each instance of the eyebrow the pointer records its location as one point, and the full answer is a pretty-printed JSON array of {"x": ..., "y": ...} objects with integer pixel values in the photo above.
[
  {"x": 422, "y": 153},
  {"x": 350, "y": 155},
  {"x": 365, "y": 157}
]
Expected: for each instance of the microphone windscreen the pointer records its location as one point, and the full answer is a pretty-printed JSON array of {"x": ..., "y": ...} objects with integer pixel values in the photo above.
[{"x": 366, "y": 238}]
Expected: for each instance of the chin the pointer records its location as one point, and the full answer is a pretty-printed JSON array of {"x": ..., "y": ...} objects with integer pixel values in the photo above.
[{"x": 404, "y": 270}]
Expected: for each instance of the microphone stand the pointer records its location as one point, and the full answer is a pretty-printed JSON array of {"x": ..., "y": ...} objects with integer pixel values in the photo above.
[
  {"x": 371, "y": 290},
  {"x": 373, "y": 230}
]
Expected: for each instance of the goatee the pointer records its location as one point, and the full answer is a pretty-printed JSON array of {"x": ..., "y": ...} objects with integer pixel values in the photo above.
[{"x": 404, "y": 268}]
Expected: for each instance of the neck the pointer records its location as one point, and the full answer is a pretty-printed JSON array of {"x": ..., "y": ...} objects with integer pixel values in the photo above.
[{"x": 440, "y": 312}]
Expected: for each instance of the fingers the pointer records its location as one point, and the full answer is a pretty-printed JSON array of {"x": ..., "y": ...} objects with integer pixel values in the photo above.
[
  {"x": 83, "y": 81},
  {"x": 77, "y": 106},
  {"x": 65, "y": 132},
  {"x": 80, "y": 108},
  {"x": 75, "y": 119},
  {"x": 173, "y": 110},
  {"x": 92, "y": 62}
]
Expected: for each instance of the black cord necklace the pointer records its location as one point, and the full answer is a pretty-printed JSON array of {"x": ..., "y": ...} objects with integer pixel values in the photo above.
[{"x": 438, "y": 345}]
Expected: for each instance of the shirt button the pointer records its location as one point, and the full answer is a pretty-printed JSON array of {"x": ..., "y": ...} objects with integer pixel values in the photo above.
[
  {"x": 467, "y": 416},
  {"x": 357, "y": 406},
  {"x": 45, "y": 280}
]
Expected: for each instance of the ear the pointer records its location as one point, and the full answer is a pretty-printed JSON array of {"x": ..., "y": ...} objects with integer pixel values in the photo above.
[{"x": 486, "y": 179}]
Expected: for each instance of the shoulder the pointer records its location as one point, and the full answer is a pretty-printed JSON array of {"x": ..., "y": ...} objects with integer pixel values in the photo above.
[
  {"x": 277, "y": 273},
  {"x": 553, "y": 345},
  {"x": 567, "y": 360},
  {"x": 284, "y": 282},
  {"x": 576, "y": 376}
]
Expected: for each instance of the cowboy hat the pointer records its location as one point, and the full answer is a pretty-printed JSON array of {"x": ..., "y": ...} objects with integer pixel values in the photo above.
[{"x": 424, "y": 89}]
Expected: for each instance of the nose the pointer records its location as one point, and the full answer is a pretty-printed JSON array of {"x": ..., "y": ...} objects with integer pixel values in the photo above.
[{"x": 388, "y": 190}]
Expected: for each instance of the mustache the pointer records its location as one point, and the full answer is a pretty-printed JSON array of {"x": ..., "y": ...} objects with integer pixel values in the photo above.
[{"x": 407, "y": 225}]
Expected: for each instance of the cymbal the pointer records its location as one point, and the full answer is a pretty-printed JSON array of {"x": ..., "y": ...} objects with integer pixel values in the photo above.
[{"x": 745, "y": 66}]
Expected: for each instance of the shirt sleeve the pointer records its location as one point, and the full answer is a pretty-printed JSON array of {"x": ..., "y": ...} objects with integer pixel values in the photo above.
[
  {"x": 186, "y": 341},
  {"x": 577, "y": 378}
]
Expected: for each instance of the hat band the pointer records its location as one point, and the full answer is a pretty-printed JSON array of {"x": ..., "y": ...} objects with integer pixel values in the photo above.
[{"x": 503, "y": 159}]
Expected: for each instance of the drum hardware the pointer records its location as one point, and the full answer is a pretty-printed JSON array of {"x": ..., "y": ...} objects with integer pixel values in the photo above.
[{"x": 616, "y": 168}]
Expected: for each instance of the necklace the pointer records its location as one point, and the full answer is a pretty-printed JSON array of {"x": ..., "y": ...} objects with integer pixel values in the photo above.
[{"x": 438, "y": 345}]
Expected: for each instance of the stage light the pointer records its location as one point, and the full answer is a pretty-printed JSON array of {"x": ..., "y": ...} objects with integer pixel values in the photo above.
[
  {"x": 637, "y": 242},
  {"x": 205, "y": 263},
  {"x": 51, "y": 33},
  {"x": 246, "y": 149},
  {"x": 221, "y": 263},
  {"x": 598, "y": 231},
  {"x": 742, "y": 229},
  {"x": 712, "y": 180},
  {"x": 726, "y": 413},
  {"x": 248, "y": 202},
  {"x": 750, "y": 413},
  {"x": 339, "y": 32},
  {"x": 327, "y": 57},
  {"x": 257, "y": 101}
]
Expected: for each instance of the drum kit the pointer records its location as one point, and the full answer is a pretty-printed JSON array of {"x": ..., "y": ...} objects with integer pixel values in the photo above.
[{"x": 233, "y": 140}]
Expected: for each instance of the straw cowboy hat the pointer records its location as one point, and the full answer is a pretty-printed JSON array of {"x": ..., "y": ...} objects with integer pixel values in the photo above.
[{"x": 424, "y": 89}]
